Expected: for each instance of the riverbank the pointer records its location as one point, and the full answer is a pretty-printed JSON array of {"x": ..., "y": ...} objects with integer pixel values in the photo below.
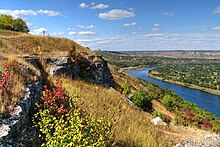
[{"x": 208, "y": 90}]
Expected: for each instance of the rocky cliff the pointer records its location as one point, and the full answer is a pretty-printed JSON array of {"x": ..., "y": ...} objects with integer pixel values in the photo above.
[{"x": 16, "y": 129}]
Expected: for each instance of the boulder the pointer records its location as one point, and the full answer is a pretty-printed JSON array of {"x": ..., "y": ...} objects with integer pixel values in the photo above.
[{"x": 158, "y": 121}]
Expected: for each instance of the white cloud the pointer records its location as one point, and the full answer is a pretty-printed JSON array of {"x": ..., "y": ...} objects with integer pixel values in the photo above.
[
  {"x": 86, "y": 33},
  {"x": 155, "y": 29},
  {"x": 217, "y": 10},
  {"x": 83, "y": 5},
  {"x": 58, "y": 33},
  {"x": 168, "y": 14},
  {"x": 154, "y": 35},
  {"x": 86, "y": 27},
  {"x": 72, "y": 33},
  {"x": 23, "y": 13},
  {"x": 49, "y": 12},
  {"x": 99, "y": 6},
  {"x": 129, "y": 24},
  {"x": 216, "y": 28},
  {"x": 116, "y": 14},
  {"x": 38, "y": 31},
  {"x": 156, "y": 24},
  {"x": 71, "y": 29}
]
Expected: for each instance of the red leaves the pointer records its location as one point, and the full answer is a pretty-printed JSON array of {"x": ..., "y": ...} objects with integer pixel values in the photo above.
[
  {"x": 191, "y": 117},
  {"x": 6, "y": 83},
  {"x": 55, "y": 99}
]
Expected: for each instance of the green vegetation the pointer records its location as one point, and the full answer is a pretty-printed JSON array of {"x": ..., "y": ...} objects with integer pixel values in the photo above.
[
  {"x": 142, "y": 100},
  {"x": 203, "y": 75},
  {"x": 126, "y": 88},
  {"x": 62, "y": 123},
  {"x": 7, "y": 22},
  {"x": 186, "y": 113}
]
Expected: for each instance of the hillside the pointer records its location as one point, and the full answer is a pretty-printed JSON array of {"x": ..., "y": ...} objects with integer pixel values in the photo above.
[{"x": 83, "y": 101}]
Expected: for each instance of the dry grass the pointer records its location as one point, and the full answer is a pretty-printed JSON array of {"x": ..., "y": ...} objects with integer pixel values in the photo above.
[
  {"x": 21, "y": 78},
  {"x": 25, "y": 44},
  {"x": 132, "y": 128}
]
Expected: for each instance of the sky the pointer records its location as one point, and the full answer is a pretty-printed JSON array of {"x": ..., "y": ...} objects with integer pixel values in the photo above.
[{"x": 120, "y": 25}]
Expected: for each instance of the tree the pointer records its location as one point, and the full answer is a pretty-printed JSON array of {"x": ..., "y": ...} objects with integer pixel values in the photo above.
[
  {"x": 142, "y": 100},
  {"x": 7, "y": 22}
]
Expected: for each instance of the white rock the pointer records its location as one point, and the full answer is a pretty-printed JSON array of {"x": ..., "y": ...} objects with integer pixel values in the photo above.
[
  {"x": 4, "y": 130},
  {"x": 158, "y": 121}
]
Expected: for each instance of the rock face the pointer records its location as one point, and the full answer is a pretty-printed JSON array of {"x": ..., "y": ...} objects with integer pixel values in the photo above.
[
  {"x": 95, "y": 72},
  {"x": 158, "y": 121},
  {"x": 17, "y": 130}
]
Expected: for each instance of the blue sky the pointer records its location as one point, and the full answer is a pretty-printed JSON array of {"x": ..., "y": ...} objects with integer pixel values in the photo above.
[{"x": 124, "y": 24}]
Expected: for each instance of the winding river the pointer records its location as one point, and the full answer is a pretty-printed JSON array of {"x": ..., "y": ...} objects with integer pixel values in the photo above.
[{"x": 202, "y": 99}]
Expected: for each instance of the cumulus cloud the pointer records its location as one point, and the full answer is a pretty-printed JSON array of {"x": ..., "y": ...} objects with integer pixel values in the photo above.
[
  {"x": 216, "y": 28},
  {"x": 99, "y": 6},
  {"x": 217, "y": 10},
  {"x": 86, "y": 27},
  {"x": 58, "y": 33},
  {"x": 86, "y": 33},
  {"x": 49, "y": 12},
  {"x": 24, "y": 13},
  {"x": 116, "y": 14},
  {"x": 72, "y": 33},
  {"x": 168, "y": 14},
  {"x": 130, "y": 24},
  {"x": 155, "y": 29},
  {"x": 83, "y": 5},
  {"x": 38, "y": 31},
  {"x": 154, "y": 35}
]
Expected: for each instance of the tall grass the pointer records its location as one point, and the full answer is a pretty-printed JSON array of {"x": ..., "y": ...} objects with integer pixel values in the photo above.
[{"x": 131, "y": 128}]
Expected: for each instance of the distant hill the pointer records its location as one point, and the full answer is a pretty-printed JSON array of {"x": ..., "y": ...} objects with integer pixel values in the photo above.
[{"x": 208, "y": 54}]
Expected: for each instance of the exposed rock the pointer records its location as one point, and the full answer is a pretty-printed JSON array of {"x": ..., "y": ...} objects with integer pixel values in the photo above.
[
  {"x": 62, "y": 66},
  {"x": 158, "y": 121},
  {"x": 100, "y": 73},
  {"x": 17, "y": 130},
  {"x": 95, "y": 72}
]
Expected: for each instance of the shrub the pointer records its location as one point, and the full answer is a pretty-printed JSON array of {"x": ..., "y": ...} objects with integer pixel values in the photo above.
[
  {"x": 62, "y": 123},
  {"x": 142, "y": 100},
  {"x": 126, "y": 88},
  {"x": 158, "y": 114},
  {"x": 6, "y": 88},
  {"x": 167, "y": 101}
]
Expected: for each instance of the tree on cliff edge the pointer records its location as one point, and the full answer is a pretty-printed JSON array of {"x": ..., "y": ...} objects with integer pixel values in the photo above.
[{"x": 7, "y": 22}]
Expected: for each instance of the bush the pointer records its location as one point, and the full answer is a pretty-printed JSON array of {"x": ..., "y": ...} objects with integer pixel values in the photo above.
[
  {"x": 142, "y": 100},
  {"x": 126, "y": 88},
  {"x": 6, "y": 88},
  {"x": 167, "y": 101},
  {"x": 62, "y": 123},
  {"x": 158, "y": 114}
]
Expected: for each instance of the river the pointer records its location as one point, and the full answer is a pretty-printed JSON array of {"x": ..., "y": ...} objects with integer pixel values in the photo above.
[{"x": 203, "y": 99}]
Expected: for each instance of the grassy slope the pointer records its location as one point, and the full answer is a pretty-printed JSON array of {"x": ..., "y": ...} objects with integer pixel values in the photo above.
[
  {"x": 25, "y": 44},
  {"x": 133, "y": 128}
]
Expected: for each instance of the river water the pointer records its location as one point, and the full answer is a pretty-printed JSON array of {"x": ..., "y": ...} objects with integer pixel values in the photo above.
[{"x": 203, "y": 99}]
